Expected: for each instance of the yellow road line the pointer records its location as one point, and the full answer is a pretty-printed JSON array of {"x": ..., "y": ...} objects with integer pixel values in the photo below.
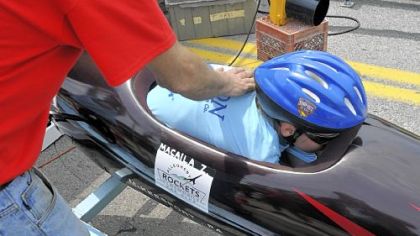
[
  {"x": 386, "y": 73},
  {"x": 372, "y": 88},
  {"x": 225, "y": 59},
  {"x": 372, "y": 71},
  {"x": 393, "y": 93},
  {"x": 234, "y": 45}
]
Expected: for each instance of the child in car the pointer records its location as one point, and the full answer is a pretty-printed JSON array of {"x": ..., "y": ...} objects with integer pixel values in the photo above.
[{"x": 302, "y": 100}]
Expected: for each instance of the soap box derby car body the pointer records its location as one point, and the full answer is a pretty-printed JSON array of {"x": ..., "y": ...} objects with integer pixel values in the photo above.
[{"x": 365, "y": 182}]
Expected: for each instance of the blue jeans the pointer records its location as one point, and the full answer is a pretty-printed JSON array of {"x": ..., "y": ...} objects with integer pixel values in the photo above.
[{"x": 31, "y": 206}]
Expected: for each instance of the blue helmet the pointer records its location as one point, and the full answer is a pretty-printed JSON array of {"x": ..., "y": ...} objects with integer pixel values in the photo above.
[{"x": 313, "y": 90}]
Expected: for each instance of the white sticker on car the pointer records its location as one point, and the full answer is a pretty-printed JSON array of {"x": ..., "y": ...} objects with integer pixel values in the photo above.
[{"x": 183, "y": 176}]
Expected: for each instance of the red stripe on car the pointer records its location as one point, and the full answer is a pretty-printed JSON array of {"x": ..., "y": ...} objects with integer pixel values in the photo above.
[
  {"x": 343, "y": 222},
  {"x": 415, "y": 207}
]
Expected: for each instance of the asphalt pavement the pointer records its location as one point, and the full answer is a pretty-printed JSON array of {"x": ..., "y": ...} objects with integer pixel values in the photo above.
[{"x": 387, "y": 44}]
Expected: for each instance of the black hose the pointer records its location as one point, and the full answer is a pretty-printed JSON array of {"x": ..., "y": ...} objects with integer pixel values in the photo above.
[
  {"x": 348, "y": 30},
  {"x": 247, "y": 36}
]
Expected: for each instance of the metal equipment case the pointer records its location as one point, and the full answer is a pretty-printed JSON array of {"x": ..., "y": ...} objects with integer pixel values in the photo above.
[{"x": 193, "y": 19}]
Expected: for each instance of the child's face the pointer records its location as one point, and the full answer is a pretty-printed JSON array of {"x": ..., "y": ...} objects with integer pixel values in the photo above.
[{"x": 303, "y": 142}]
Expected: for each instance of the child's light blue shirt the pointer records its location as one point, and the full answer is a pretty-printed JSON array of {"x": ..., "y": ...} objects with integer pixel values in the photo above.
[{"x": 231, "y": 123}]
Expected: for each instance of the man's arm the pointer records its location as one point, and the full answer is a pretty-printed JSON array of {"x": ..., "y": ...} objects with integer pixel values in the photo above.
[{"x": 181, "y": 71}]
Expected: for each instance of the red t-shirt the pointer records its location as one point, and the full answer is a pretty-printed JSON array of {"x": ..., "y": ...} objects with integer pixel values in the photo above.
[{"x": 41, "y": 40}]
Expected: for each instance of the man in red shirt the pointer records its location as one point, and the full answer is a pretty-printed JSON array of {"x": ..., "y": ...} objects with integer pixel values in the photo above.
[{"x": 39, "y": 43}]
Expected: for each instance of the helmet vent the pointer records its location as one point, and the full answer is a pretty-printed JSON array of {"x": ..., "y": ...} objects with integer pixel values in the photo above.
[
  {"x": 330, "y": 67},
  {"x": 349, "y": 106},
  {"x": 312, "y": 95},
  {"x": 358, "y": 94},
  {"x": 317, "y": 78},
  {"x": 280, "y": 68}
]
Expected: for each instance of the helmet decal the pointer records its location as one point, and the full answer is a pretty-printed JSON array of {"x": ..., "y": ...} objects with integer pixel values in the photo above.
[{"x": 305, "y": 107}]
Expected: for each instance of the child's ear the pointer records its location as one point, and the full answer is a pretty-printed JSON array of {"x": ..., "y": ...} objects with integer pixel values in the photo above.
[{"x": 286, "y": 129}]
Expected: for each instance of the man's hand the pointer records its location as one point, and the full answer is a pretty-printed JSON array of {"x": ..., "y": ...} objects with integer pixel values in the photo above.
[
  {"x": 183, "y": 72},
  {"x": 241, "y": 81}
]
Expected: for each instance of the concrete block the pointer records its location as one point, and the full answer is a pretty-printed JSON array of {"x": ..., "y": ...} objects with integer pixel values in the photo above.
[{"x": 273, "y": 40}]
